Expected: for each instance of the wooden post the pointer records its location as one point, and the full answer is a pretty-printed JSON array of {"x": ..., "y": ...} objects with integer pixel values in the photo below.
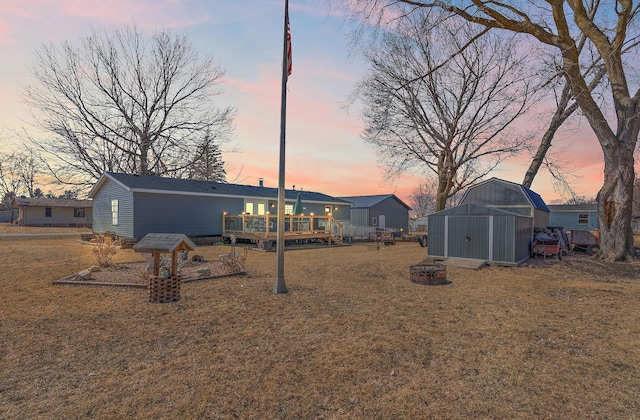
[{"x": 156, "y": 264}]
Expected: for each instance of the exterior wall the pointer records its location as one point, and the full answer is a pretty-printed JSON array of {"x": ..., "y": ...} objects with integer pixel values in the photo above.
[
  {"x": 540, "y": 218},
  {"x": 360, "y": 217},
  {"x": 396, "y": 215},
  {"x": 102, "y": 210},
  {"x": 60, "y": 216},
  {"x": 190, "y": 215},
  {"x": 7, "y": 216},
  {"x": 496, "y": 238},
  {"x": 569, "y": 219}
]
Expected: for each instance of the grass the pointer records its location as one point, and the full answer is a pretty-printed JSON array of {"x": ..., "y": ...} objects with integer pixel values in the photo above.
[{"x": 353, "y": 338}]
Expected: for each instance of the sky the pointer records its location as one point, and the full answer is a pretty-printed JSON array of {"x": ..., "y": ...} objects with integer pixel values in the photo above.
[{"x": 324, "y": 149}]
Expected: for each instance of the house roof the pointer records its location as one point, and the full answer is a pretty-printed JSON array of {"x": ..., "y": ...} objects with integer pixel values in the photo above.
[
  {"x": 50, "y": 202},
  {"x": 367, "y": 201},
  {"x": 534, "y": 198},
  {"x": 160, "y": 185},
  {"x": 164, "y": 242}
]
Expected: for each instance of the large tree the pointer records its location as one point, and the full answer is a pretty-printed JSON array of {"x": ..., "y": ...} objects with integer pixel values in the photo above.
[
  {"x": 559, "y": 24},
  {"x": 123, "y": 102},
  {"x": 430, "y": 108}
]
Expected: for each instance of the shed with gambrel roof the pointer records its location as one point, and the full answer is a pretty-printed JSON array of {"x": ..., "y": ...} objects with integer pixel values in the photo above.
[{"x": 494, "y": 222}]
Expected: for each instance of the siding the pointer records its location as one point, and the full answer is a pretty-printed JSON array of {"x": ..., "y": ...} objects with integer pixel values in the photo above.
[
  {"x": 102, "y": 210},
  {"x": 396, "y": 215},
  {"x": 190, "y": 215},
  {"x": 360, "y": 217},
  {"x": 35, "y": 216}
]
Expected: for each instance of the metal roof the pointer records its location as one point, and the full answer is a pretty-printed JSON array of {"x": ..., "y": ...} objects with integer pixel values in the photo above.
[
  {"x": 367, "y": 201},
  {"x": 534, "y": 198},
  {"x": 160, "y": 185}
]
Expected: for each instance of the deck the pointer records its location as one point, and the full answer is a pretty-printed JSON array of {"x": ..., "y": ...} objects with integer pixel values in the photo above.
[{"x": 262, "y": 229}]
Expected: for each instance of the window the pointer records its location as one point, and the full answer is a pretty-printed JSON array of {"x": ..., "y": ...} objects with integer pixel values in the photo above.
[
  {"x": 374, "y": 221},
  {"x": 78, "y": 212},
  {"x": 327, "y": 209},
  {"x": 583, "y": 218},
  {"x": 288, "y": 209},
  {"x": 47, "y": 212},
  {"x": 248, "y": 208},
  {"x": 114, "y": 212}
]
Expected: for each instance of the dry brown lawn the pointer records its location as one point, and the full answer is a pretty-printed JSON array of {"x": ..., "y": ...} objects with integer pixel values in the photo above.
[{"x": 353, "y": 338}]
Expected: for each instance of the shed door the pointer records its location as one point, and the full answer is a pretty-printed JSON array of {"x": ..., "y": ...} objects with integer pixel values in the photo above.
[
  {"x": 468, "y": 237},
  {"x": 382, "y": 221}
]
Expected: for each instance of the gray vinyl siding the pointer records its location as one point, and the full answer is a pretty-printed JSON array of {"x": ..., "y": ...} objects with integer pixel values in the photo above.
[
  {"x": 360, "y": 217},
  {"x": 396, "y": 215},
  {"x": 569, "y": 220},
  {"x": 189, "y": 215},
  {"x": 102, "y": 210}
]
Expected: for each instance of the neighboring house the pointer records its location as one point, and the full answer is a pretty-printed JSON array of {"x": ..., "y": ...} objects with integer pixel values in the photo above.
[
  {"x": 49, "y": 212},
  {"x": 495, "y": 222},
  {"x": 379, "y": 211},
  {"x": 574, "y": 216},
  {"x": 7, "y": 216},
  {"x": 132, "y": 206}
]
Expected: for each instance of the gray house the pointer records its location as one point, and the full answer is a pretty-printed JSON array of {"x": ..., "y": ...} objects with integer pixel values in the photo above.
[
  {"x": 495, "y": 222},
  {"x": 574, "y": 216},
  {"x": 132, "y": 206},
  {"x": 53, "y": 212},
  {"x": 380, "y": 211}
]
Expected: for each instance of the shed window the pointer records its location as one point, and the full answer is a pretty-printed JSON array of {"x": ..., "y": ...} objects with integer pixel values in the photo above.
[
  {"x": 77, "y": 212},
  {"x": 374, "y": 221},
  {"x": 583, "y": 218},
  {"x": 47, "y": 212},
  {"x": 114, "y": 212}
]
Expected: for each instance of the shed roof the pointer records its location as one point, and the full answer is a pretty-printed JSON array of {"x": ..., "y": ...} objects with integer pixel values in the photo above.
[
  {"x": 534, "y": 198},
  {"x": 160, "y": 185},
  {"x": 164, "y": 242},
  {"x": 50, "y": 202},
  {"x": 367, "y": 201},
  {"x": 475, "y": 210}
]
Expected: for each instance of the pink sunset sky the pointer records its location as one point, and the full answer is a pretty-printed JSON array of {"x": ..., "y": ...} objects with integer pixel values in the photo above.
[{"x": 325, "y": 152}]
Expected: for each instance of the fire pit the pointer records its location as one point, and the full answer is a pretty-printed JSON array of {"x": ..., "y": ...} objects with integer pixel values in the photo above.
[{"x": 429, "y": 273}]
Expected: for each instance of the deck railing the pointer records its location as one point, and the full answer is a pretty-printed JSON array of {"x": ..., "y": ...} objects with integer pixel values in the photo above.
[{"x": 267, "y": 224}]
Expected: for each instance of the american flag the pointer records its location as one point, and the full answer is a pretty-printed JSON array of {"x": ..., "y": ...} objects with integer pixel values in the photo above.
[{"x": 288, "y": 47}]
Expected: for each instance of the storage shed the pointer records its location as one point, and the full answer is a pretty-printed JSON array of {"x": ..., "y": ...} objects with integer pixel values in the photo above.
[
  {"x": 495, "y": 222},
  {"x": 509, "y": 196},
  {"x": 385, "y": 211},
  {"x": 483, "y": 233}
]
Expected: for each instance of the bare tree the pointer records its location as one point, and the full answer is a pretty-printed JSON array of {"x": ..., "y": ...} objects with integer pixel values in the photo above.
[
  {"x": 559, "y": 24},
  {"x": 121, "y": 102},
  {"x": 450, "y": 120}
]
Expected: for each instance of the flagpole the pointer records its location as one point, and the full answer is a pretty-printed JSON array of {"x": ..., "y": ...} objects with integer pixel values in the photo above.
[{"x": 280, "y": 286}]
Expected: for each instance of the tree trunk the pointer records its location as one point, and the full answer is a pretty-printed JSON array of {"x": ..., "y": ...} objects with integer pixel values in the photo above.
[{"x": 615, "y": 201}]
